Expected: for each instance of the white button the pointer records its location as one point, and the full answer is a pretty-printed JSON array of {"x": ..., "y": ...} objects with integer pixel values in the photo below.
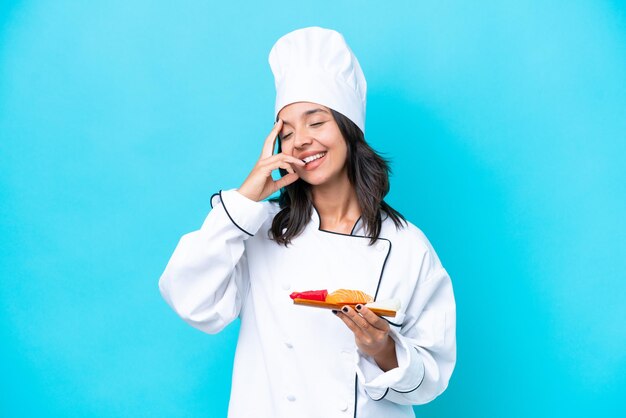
[
  {"x": 286, "y": 286},
  {"x": 343, "y": 406},
  {"x": 291, "y": 398},
  {"x": 288, "y": 344}
]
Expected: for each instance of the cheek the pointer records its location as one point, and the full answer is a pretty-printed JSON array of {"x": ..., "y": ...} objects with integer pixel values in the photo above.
[{"x": 286, "y": 149}]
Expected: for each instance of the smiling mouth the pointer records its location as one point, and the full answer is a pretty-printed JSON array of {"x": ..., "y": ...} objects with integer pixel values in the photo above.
[{"x": 313, "y": 157}]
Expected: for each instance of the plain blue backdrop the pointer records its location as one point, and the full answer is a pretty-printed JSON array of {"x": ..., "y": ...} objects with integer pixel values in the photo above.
[{"x": 505, "y": 122}]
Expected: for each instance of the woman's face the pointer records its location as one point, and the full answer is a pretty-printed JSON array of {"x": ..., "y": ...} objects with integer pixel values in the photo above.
[{"x": 309, "y": 130}]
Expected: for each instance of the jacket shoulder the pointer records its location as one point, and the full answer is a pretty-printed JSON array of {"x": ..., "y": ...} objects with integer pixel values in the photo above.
[
  {"x": 409, "y": 237},
  {"x": 272, "y": 209}
]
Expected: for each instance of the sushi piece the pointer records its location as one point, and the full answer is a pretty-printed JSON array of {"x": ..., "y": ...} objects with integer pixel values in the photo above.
[
  {"x": 388, "y": 304},
  {"x": 310, "y": 295},
  {"x": 348, "y": 296}
]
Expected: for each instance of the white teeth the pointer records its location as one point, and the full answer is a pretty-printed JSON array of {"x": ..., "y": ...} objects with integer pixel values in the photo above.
[{"x": 314, "y": 157}]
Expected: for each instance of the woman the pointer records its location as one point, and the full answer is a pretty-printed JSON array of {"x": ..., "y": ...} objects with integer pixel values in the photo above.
[{"x": 329, "y": 229}]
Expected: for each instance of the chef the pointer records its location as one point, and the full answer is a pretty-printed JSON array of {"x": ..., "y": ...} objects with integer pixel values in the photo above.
[{"x": 330, "y": 228}]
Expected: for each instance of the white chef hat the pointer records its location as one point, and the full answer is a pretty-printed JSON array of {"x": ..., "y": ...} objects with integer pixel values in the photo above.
[{"x": 317, "y": 65}]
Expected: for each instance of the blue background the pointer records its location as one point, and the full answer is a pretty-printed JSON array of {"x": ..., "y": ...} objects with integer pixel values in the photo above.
[{"x": 505, "y": 122}]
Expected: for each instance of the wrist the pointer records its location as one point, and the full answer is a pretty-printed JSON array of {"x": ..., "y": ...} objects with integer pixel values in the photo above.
[
  {"x": 242, "y": 191},
  {"x": 386, "y": 358}
]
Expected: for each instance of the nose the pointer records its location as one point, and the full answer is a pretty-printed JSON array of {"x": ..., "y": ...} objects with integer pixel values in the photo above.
[{"x": 301, "y": 139}]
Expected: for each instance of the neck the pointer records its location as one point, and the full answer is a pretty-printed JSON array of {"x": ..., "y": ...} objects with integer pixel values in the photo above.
[{"x": 337, "y": 205}]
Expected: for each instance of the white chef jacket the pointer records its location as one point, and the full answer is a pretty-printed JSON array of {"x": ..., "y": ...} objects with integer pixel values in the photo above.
[{"x": 296, "y": 361}]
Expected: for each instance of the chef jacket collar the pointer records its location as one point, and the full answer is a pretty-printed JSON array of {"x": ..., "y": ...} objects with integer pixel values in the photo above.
[{"x": 358, "y": 229}]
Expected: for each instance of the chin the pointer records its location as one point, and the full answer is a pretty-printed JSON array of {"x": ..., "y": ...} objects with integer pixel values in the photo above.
[
  {"x": 321, "y": 177},
  {"x": 316, "y": 180}
]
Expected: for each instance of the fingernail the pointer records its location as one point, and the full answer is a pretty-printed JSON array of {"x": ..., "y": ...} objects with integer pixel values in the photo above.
[
  {"x": 358, "y": 307},
  {"x": 345, "y": 309},
  {"x": 335, "y": 311}
]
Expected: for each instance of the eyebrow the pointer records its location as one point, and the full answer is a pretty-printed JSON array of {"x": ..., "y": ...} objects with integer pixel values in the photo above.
[{"x": 307, "y": 113}]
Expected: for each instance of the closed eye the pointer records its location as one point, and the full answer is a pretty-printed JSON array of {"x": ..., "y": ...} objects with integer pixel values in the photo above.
[{"x": 316, "y": 124}]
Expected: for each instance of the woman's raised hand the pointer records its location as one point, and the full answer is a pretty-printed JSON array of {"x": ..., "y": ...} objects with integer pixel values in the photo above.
[{"x": 259, "y": 184}]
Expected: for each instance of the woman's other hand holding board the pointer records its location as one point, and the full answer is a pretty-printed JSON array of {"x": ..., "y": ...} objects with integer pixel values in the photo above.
[{"x": 371, "y": 335}]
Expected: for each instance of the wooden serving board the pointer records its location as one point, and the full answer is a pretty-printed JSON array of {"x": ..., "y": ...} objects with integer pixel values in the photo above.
[{"x": 320, "y": 304}]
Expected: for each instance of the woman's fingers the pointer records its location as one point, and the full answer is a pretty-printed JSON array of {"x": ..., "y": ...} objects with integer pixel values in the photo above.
[
  {"x": 260, "y": 183},
  {"x": 373, "y": 319},
  {"x": 367, "y": 320},
  {"x": 270, "y": 141},
  {"x": 358, "y": 319},
  {"x": 350, "y": 323},
  {"x": 273, "y": 159},
  {"x": 279, "y": 161},
  {"x": 285, "y": 180},
  {"x": 370, "y": 334},
  {"x": 287, "y": 167}
]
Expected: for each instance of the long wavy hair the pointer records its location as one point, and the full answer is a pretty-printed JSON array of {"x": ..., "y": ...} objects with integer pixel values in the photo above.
[{"x": 368, "y": 173}]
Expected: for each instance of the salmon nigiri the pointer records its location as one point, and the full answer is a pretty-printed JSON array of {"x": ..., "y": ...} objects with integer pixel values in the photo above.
[{"x": 348, "y": 296}]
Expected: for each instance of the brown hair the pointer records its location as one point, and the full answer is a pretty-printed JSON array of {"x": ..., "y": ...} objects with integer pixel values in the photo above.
[{"x": 368, "y": 173}]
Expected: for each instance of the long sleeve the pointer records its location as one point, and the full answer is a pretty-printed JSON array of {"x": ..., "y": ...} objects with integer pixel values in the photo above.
[
  {"x": 425, "y": 343},
  {"x": 207, "y": 277}
]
